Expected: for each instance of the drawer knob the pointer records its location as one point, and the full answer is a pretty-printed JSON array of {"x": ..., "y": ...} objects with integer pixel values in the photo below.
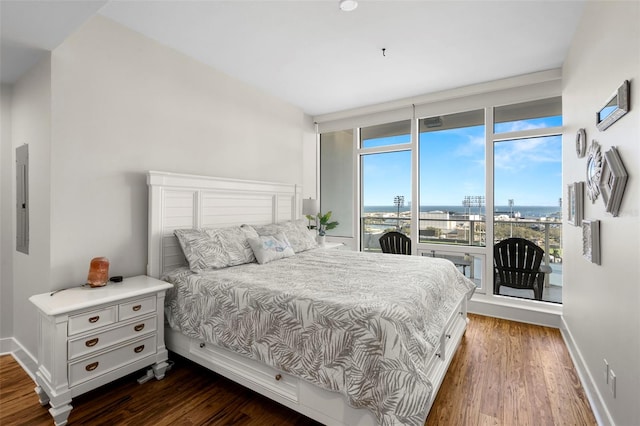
[
  {"x": 137, "y": 307},
  {"x": 91, "y": 342},
  {"x": 138, "y": 327},
  {"x": 448, "y": 336},
  {"x": 138, "y": 349},
  {"x": 92, "y": 366},
  {"x": 278, "y": 377},
  {"x": 94, "y": 319},
  {"x": 202, "y": 345}
]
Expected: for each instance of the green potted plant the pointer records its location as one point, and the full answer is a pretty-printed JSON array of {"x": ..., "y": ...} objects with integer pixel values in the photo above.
[{"x": 324, "y": 224}]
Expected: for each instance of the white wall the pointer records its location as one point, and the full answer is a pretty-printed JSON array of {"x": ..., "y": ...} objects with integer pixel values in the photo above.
[
  {"x": 121, "y": 105},
  {"x": 6, "y": 209},
  {"x": 31, "y": 124},
  {"x": 601, "y": 302}
]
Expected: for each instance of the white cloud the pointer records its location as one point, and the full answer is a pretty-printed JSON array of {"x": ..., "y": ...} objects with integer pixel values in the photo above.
[
  {"x": 518, "y": 126},
  {"x": 521, "y": 154}
]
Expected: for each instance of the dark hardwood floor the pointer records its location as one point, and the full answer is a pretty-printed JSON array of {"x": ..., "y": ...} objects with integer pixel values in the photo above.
[{"x": 504, "y": 373}]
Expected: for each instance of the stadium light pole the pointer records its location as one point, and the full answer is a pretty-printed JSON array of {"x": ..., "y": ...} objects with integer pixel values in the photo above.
[{"x": 398, "y": 200}]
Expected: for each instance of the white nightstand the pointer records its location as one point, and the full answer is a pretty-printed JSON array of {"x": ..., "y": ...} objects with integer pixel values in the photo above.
[{"x": 88, "y": 337}]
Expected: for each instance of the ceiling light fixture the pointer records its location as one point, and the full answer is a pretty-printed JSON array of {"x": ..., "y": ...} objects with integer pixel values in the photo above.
[{"x": 348, "y": 5}]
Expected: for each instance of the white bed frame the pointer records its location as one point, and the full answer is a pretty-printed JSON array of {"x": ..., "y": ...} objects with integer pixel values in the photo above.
[{"x": 187, "y": 201}]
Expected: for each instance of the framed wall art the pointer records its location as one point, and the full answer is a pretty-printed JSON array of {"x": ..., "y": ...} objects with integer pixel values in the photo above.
[
  {"x": 594, "y": 169},
  {"x": 581, "y": 143},
  {"x": 591, "y": 240},
  {"x": 615, "y": 108},
  {"x": 613, "y": 181},
  {"x": 575, "y": 205}
]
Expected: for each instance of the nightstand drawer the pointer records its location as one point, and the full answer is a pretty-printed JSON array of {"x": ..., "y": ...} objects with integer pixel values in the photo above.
[
  {"x": 95, "y": 366},
  {"x": 92, "y": 320},
  {"x": 137, "y": 308},
  {"x": 98, "y": 341}
]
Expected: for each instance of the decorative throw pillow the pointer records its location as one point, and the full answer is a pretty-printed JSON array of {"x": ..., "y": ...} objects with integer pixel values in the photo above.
[
  {"x": 215, "y": 248},
  {"x": 296, "y": 232},
  {"x": 233, "y": 241},
  {"x": 268, "y": 248},
  {"x": 201, "y": 251}
]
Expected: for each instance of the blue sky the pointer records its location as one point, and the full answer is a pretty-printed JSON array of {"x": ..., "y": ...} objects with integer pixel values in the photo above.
[{"x": 529, "y": 171}]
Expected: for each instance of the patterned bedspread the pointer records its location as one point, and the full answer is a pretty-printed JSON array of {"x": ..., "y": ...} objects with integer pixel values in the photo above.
[{"x": 363, "y": 324}]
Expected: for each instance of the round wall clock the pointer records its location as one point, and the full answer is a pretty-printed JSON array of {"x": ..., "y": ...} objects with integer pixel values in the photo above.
[{"x": 581, "y": 143}]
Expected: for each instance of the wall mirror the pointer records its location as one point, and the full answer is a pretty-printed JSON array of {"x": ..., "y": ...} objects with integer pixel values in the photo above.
[
  {"x": 616, "y": 107},
  {"x": 594, "y": 169},
  {"x": 613, "y": 181}
]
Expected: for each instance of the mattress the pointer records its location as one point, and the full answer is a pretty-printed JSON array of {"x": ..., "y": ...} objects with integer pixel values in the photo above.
[{"x": 362, "y": 324}]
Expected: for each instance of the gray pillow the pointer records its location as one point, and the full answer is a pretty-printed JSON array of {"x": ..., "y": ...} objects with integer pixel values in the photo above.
[
  {"x": 268, "y": 248},
  {"x": 215, "y": 248},
  {"x": 296, "y": 232},
  {"x": 234, "y": 243}
]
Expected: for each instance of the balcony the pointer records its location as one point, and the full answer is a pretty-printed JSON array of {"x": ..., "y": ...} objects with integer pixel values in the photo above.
[{"x": 454, "y": 232}]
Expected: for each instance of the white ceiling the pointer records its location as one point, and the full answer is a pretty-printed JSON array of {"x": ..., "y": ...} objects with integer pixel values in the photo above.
[{"x": 312, "y": 54}]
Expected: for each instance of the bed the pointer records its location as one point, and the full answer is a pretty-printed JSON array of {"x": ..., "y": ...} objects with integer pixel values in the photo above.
[{"x": 345, "y": 338}]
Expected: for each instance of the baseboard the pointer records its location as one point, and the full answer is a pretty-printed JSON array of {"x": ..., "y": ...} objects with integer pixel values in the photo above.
[
  {"x": 22, "y": 356},
  {"x": 600, "y": 411},
  {"x": 7, "y": 346},
  {"x": 530, "y": 312}
]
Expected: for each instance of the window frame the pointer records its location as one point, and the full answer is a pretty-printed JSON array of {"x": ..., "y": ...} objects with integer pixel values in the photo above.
[
  {"x": 385, "y": 149},
  {"x": 443, "y": 105}
]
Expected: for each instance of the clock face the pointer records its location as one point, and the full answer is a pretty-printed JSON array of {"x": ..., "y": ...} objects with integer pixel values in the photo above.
[{"x": 581, "y": 143}]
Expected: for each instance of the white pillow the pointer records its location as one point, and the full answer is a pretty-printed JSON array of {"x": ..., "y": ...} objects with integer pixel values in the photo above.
[{"x": 268, "y": 248}]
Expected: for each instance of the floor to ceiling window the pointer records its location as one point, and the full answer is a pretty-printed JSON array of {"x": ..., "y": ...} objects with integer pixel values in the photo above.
[
  {"x": 385, "y": 181},
  {"x": 457, "y": 183},
  {"x": 528, "y": 185},
  {"x": 452, "y": 189},
  {"x": 386, "y": 196}
]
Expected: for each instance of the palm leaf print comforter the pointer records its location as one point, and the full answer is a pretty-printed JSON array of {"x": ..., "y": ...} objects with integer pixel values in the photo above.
[{"x": 363, "y": 324}]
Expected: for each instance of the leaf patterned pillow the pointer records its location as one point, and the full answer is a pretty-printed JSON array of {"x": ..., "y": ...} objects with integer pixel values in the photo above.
[
  {"x": 233, "y": 241},
  {"x": 268, "y": 248},
  {"x": 296, "y": 232},
  {"x": 200, "y": 250},
  {"x": 215, "y": 248}
]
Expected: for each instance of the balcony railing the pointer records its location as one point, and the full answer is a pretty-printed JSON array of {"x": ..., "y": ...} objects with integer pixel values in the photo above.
[{"x": 461, "y": 231}]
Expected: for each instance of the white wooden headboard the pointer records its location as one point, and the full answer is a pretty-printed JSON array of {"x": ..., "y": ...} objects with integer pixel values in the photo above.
[{"x": 190, "y": 201}]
